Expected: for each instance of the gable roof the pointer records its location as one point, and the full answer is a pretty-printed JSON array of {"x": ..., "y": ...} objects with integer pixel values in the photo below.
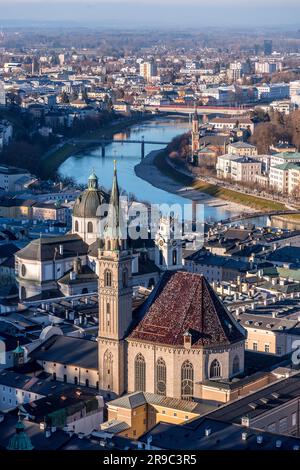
[
  {"x": 68, "y": 350},
  {"x": 185, "y": 302},
  {"x": 46, "y": 249}
]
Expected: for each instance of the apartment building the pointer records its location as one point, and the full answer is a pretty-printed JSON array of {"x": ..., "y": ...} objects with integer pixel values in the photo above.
[
  {"x": 228, "y": 124},
  {"x": 266, "y": 67},
  {"x": 238, "y": 168},
  {"x": 285, "y": 178},
  {"x": 285, "y": 157},
  {"x": 10, "y": 175},
  {"x": 243, "y": 149},
  {"x": 273, "y": 91},
  {"x": 269, "y": 335}
]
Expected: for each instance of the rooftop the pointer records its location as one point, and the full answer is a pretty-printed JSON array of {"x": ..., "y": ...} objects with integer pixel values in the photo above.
[{"x": 192, "y": 306}]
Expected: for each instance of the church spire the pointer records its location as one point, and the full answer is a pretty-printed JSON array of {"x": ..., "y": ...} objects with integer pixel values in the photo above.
[
  {"x": 115, "y": 193},
  {"x": 114, "y": 228}
]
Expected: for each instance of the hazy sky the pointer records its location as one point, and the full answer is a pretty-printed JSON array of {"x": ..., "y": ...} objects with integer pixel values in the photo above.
[{"x": 155, "y": 12}]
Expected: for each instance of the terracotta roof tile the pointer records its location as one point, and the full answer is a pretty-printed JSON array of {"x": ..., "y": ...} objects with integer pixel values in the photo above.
[{"x": 186, "y": 302}]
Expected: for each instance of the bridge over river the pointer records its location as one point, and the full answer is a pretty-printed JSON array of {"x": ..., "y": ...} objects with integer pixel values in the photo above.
[
  {"x": 254, "y": 215},
  {"x": 103, "y": 142}
]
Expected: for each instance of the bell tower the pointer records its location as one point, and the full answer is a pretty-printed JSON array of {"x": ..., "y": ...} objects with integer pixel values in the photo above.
[
  {"x": 115, "y": 298},
  {"x": 168, "y": 246}
]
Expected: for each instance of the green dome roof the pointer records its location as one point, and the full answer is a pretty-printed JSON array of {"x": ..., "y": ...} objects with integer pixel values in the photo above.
[{"x": 20, "y": 440}]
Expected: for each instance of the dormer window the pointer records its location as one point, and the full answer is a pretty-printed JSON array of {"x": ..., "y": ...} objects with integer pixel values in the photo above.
[{"x": 187, "y": 339}]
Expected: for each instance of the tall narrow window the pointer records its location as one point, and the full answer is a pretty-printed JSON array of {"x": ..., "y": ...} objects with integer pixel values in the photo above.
[
  {"x": 161, "y": 258},
  {"x": 236, "y": 365},
  {"x": 76, "y": 226},
  {"x": 108, "y": 314},
  {"x": 107, "y": 278},
  {"x": 174, "y": 257},
  {"x": 161, "y": 377},
  {"x": 125, "y": 277},
  {"x": 140, "y": 373},
  {"x": 90, "y": 227},
  {"x": 187, "y": 381},
  {"x": 108, "y": 370},
  {"x": 215, "y": 369}
]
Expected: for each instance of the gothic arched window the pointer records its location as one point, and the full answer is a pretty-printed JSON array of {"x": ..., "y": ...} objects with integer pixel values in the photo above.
[
  {"x": 187, "y": 381},
  {"x": 140, "y": 373},
  {"x": 76, "y": 226},
  {"x": 161, "y": 377},
  {"x": 107, "y": 278},
  {"x": 174, "y": 257},
  {"x": 90, "y": 227},
  {"x": 215, "y": 369},
  {"x": 236, "y": 365}
]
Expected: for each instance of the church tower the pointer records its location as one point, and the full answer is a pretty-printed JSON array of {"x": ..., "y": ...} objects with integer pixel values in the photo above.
[
  {"x": 195, "y": 133},
  {"x": 168, "y": 246},
  {"x": 115, "y": 298}
]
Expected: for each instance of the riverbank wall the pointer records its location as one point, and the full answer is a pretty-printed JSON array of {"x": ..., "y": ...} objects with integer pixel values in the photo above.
[{"x": 181, "y": 176}]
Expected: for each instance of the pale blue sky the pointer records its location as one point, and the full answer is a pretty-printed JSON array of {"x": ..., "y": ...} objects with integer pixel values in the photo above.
[{"x": 155, "y": 12}]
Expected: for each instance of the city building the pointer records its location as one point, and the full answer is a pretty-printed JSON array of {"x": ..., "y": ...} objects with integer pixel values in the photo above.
[
  {"x": 243, "y": 149},
  {"x": 238, "y": 168},
  {"x": 268, "y": 47},
  {"x": 148, "y": 70}
]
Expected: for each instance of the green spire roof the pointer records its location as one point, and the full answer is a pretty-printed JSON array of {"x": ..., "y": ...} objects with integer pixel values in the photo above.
[
  {"x": 19, "y": 349},
  {"x": 20, "y": 440}
]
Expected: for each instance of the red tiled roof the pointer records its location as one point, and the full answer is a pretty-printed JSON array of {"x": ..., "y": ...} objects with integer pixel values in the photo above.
[{"x": 186, "y": 302}]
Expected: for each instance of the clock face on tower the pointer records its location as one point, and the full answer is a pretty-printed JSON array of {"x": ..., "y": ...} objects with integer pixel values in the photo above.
[{"x": 161, "y": 242}]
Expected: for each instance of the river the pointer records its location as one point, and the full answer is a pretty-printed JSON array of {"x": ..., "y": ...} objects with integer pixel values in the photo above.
[{"x": 128, "y": 155}]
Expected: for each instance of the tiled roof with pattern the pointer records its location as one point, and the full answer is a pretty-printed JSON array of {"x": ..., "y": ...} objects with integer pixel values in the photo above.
[{"x": 185, "y": 302}]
